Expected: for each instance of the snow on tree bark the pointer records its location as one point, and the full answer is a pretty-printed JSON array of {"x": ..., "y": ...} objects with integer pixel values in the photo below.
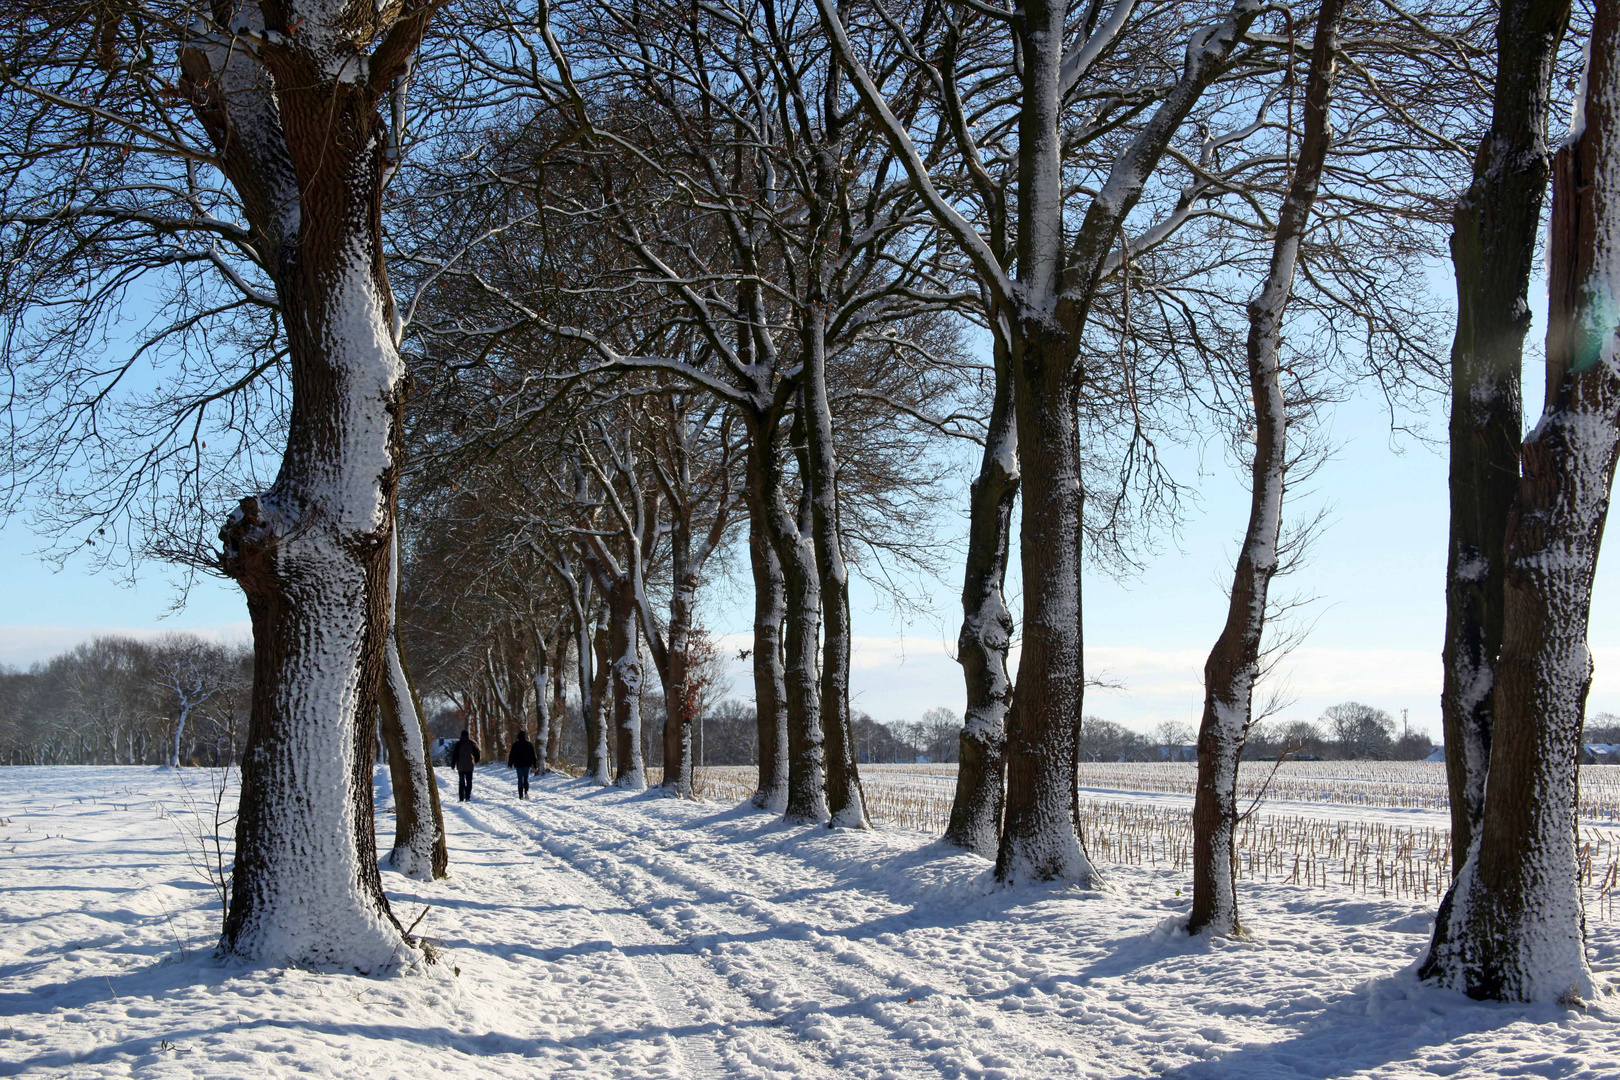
[
  {"x": 1234, "y": 661},
  {"x": 986, "y": 633},
  {"x": 295, "y": 119},
  {"x": 1493, "y": 244},
  {"x": 770, "y": 678},
  {"x": 1512, "y": 926},
  {"x": 419, "y": 846},
  {"x": 625, "y": 668}
]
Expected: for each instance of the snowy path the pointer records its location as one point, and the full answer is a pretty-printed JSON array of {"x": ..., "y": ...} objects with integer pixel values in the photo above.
[{"x": 591, "y": 933}]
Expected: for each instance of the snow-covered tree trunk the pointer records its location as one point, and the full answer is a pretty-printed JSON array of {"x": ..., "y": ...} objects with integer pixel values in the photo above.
[
  {"x": 295, "y": 118},
  {"x": 1233, "y": 665},
  {"x": 1047, "y": 308},
  {"x": 559, "y": 703},
  {"x": 419, "y": 845},
  {"x": 1040, "y": 840},
  {"x": 846, "y": 804},
  {"x": 624, "y": 650},
  {"x": 179, "y": 733},
  {"x": 679, "y": 700},
  {"x": 986, "y": 635},
  {"x": 1493, "y": 243},
  {"x": 543, "y": 738},
  {"x": 1512, "y": 926},
  {"x": 770, "y": 679},
  {"x": 801, "y": 610},
  {"x": 598, "y": 755}
]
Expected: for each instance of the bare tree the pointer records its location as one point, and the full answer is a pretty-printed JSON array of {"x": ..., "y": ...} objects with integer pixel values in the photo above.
[
  {"x": 1493, "y": 247},
  {"x": 1511, "y": 927},
  {"x": 1234, "y": 662}
]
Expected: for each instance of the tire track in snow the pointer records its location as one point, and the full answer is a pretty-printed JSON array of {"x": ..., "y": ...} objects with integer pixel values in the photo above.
[
  {"x": 970, "y": 1039},
  {"x": 664, "y": 973}
]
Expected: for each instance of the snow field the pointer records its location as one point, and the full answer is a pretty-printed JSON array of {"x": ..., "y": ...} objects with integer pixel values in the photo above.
[
  {"x": 1361, "y": 828},
  {"x": 601, "y": 933}
]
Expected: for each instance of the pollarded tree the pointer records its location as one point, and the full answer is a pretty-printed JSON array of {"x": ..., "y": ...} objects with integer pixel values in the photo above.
[{"x": 156, "y": 120}]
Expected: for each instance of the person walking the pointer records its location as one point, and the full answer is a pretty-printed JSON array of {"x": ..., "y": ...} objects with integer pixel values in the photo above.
[
  {"x": 464, "y": 757},
  {"x": 522, "y": 759}
]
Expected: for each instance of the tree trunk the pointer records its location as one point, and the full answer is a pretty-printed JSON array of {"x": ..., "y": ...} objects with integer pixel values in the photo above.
[
  {"x": 987, "y": 625},
  {"x": 806, "y": 799},
  {"x": 1040, "y": 840},
  {"x": 846, "y": 804},
  {"x": 1234, "y": 661},
  {"x": 419, "y": 844},
  {"x": 559, "y": 703},
  {"x": 311, "y": 554},
  {"x": 599, "y": 761},
  {"x": 1512, "y": 926},
  {"x": 542, "y": 711},
  {"x": 1493, "y": 244},
  {"x": 623, "y": 645},
  {"x": 679, "y": 700},
  {"x": 770, "y": 678}
]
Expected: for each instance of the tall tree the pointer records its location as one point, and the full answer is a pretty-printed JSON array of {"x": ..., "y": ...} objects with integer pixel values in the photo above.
[
  {"x": 1511, "y": 926},
  {"x": 1233, "y": 666},
  {"x": 1049, "y": 50},
  {"x": 1493, "y": 244}
]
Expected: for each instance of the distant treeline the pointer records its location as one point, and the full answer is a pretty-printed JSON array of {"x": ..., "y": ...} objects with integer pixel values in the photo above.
[
  {"x": 176, "y": 699},
  {"x": 183, "y": 699}
]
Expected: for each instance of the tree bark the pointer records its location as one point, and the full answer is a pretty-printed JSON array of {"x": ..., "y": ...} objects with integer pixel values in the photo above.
[
  {"x": 599, "y": 760},
  {"x": 770, "y": 677},
  {"x": 1234, "y": 661},
  {"x": 846, "y": 804},
  {"x": 1493, "y": 244},
  {"x": 543, "y": 737},
  {"x": 306, "y": 149},
  {"x": 559, "y": 703},
  {"x": 806, "y": 799},
  {"x": 986, "y": 634},
  {"x": 1040, "y": 839},
  {"x": 419, "y": 849},
  {"x": 1512, "y": 927},
  {"x": 625, "y": 668}
]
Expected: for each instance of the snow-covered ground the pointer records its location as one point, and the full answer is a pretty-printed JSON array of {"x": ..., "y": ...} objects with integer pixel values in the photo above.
[{"x": 592, "y": 933}]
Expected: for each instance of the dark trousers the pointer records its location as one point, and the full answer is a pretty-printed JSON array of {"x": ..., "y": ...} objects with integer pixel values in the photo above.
[
  {"x": 523, "y": 783},
  {"x": 464, "y": 792}
]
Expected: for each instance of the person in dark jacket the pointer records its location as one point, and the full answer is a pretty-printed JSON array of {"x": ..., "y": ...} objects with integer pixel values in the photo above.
[
  {"x": 464, "y": 757},
  {"x": 522, "y": 759}
]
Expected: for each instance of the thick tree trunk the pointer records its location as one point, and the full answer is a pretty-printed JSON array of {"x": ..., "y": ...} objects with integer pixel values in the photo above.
[
  {"x": 312, "y": 553},
  {"x": 1512, "y": 926},
  {"x": 1040, "y": 840},
  {"x": 625, "y": 665},
  {"x": 1493, "y": 243},
  {"x": 680, "y": 702},
  {"x": 419, "y": 845},
  {"x": 795, "y": 554},
  {"x": 1234, "y": 662},
  {"x": 770, "y": 678},
  {"x": 846, "y": 804},
  {"x": 987, "y": 625}
]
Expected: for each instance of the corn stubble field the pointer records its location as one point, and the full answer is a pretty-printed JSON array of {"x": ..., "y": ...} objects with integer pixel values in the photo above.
[{"x": 1377, "y": 828}]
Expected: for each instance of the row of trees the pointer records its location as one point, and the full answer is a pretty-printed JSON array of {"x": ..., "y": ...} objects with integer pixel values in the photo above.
[
  {"x": 533, "y": 314},
  {"x": 175, "y": 700}
]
